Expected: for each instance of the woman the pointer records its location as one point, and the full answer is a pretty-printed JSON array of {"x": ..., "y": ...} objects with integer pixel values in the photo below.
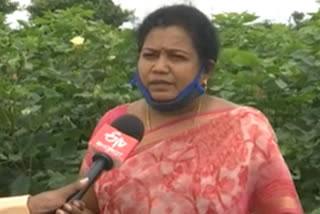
[{"x": 200, "y": 154}]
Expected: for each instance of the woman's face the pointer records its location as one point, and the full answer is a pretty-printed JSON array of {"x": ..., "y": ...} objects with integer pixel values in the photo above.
[{"x": 168, "y": 62}]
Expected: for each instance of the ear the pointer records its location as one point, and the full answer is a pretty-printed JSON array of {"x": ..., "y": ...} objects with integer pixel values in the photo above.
[{"x": 208, "y": 70}]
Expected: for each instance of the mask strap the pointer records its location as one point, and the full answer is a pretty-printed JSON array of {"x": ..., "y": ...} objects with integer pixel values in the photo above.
[{"x": 195, "y": 84}]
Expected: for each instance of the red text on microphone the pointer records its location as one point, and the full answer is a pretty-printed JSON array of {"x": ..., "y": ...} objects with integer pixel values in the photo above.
[{"x": 113, "y": 143}]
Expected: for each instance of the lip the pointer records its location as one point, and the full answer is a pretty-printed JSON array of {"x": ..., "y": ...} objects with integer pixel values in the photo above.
[{"x": 159, "y": 82}]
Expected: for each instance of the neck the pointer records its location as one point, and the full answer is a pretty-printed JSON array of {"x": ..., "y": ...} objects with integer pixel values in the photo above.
[
  {"x": 190, "y": 108},
  {"x": 154, "y": 117}
]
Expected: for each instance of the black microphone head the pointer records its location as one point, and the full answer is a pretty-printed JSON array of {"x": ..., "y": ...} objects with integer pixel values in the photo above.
[{"x": 129, "y": 125}]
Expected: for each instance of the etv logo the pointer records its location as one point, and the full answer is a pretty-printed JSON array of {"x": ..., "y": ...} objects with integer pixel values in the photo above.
[{"x": 116, "y": 139}]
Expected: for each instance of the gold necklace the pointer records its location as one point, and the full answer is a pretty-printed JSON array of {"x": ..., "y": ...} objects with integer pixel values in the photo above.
[{"x": 147, "y": 116}]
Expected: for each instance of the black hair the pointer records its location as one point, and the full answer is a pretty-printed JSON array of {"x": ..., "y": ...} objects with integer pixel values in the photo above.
[{"x": 202, "y": 32}]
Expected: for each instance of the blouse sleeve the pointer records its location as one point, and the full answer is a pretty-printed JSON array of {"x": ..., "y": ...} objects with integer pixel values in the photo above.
[
  {"x": 18, "y": 204},
  {"x": 108, "y": 118},
  {"x": 273, "y": 189}
]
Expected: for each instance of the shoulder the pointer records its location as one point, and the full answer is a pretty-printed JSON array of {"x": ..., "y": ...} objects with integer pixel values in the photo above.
[
  {"x": 239, "y": 111},
  {"x": 113, "y": 113},
  {"x": 250, "y": 120},
  {"x": 134, "y": 108},
  {"x": 110, "y": 116},
  {"x": 254, "y": 132},
  {"x": 213, "y": 103},
  {"x": 253, "y": 117},
  {"x": 256, "y": 129}
]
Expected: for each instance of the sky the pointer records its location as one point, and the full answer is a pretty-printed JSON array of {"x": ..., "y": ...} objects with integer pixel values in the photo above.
[{"x": 273, "y": 10}]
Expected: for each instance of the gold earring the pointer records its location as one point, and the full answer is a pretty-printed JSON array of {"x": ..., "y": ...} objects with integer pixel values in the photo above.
[{"x": 204, "y": 84}]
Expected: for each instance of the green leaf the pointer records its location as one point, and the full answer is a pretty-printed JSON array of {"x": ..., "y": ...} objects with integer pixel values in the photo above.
[
  {"x": 3, "y": 157},
  {"x": 30, "y": 110},
  {"x": 245, "y": 58},
  {"x": 15, "y": 157},
  {"x": 20, "y": 185},
  {"x": 281, "y": 84}
]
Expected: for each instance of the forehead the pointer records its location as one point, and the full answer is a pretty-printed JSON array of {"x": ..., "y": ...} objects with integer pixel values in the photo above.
[{"x": 169, "y": 37}]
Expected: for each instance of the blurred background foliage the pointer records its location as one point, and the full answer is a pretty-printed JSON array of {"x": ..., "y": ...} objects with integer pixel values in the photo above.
[{"x": 53, "y": 91}]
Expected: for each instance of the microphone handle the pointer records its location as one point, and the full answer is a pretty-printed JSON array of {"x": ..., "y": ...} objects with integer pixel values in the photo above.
[{"x": 101, "y": 162}]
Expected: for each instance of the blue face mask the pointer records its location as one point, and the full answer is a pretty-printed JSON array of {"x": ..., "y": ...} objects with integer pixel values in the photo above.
[{"x": 189, "y": 93}]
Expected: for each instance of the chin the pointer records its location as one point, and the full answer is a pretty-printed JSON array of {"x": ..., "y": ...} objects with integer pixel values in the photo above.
[{"x": 162, "y": 97}]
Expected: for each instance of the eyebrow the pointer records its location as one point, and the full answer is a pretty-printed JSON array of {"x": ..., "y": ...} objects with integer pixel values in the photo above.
[{"x": 170, "y": 50}]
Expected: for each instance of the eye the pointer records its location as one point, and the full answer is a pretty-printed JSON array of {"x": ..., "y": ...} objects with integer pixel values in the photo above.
[
  {"x": 177, "y": 57},
  {"x": 149, "y": 55}
]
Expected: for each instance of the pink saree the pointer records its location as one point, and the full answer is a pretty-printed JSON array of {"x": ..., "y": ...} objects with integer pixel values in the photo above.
[{"x": 219, "y": 162}]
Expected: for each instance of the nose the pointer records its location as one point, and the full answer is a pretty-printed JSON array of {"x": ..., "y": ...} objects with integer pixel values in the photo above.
[{"x": 161, "y": 64}]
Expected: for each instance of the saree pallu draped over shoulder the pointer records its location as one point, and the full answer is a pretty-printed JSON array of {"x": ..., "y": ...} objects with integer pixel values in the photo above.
[{"x": 219, "y": 162}]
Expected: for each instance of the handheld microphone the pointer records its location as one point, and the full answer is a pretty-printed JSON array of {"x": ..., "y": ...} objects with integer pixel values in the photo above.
[{"x": 112, "y": 145}]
